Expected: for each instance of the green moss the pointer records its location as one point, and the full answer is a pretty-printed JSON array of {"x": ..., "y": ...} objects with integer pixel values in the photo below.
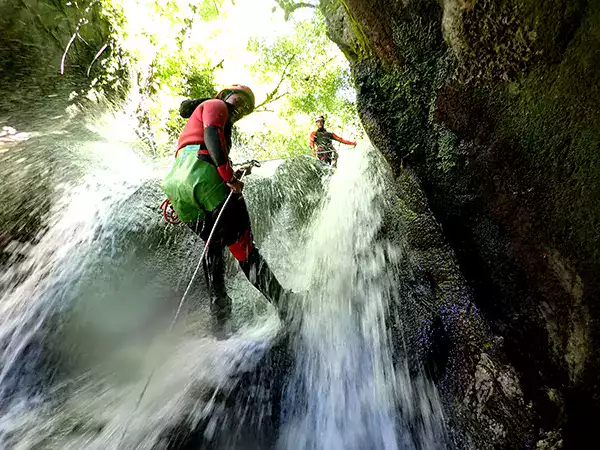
[
  {"x": 519, "y": 171},
  {"x": 360, "y": 48},
  {"x": 364, "y": 49},
  {"x": 447, "y": 154},
  {"x": 552, "y": 116},
  {"x": 504, "y": 38},
  {"x": 406, "y": 214}
]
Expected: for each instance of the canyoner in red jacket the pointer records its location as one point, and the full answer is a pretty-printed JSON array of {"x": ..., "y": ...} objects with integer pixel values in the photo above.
[
  {"x": 321, "y": 142},
  {"x": 198, "y": 185}
]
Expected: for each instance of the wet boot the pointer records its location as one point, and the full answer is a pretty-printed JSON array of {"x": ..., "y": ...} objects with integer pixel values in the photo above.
[{"x": 220, "y": 305}]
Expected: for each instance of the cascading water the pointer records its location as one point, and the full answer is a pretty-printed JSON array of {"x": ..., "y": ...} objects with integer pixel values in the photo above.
[
  {"x": 47, "y": 276},
  {"x": 95, "y": 278},
  {"x": 346, "y": 392},
  {"x": 84, "y": 309}
]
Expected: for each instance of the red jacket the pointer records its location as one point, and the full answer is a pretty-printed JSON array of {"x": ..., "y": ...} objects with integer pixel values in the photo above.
[
  {"x": 323, "y": 139},
  {"x": 210, "y": 127}
]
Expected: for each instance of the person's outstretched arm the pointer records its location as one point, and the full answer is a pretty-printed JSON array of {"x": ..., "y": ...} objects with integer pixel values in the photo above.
[{"x": 343, "y": 141}]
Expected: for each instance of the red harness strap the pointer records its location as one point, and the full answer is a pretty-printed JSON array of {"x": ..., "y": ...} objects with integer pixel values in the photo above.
[{"x": 170, "y": 216}]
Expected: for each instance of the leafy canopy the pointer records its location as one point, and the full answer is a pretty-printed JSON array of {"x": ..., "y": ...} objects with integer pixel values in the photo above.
[
  {"x": 308, "y": 76},
  {"x": 176, "y": 49}
]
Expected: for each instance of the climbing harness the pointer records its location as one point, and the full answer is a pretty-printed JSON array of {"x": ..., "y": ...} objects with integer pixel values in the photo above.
[
  {"x": 253, "y": 163},
  {"x": 248, "y": 163}
]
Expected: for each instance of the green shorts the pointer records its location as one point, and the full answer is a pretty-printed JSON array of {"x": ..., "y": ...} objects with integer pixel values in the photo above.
[{"x": 193, "y": 186}]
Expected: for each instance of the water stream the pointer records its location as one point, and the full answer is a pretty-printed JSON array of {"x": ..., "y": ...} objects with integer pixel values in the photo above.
[{"x": 85, "y": 308}]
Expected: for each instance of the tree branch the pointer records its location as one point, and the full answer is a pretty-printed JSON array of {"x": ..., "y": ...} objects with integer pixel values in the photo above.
[
  {"x": 289, "y": 7},
  {"x": 271, "y": 100},
  {"x": 218, "y": 66},
  {"x": 62, "y": 61},
  {"x": 318, "y": 68},
  {"x": 272, "y": 96},
  {"x": 95, "y": 58}
]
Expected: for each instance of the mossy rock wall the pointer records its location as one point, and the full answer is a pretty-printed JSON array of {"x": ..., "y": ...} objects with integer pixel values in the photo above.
[
  {"x": 42, "y": 38},
  {"x": 492, "y": 106}
]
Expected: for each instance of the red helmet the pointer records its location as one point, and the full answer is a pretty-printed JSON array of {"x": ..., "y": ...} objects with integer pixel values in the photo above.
[{"x": 244, "y": 91}]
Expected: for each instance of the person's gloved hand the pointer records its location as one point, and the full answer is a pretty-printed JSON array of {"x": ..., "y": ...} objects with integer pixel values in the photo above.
[
  {"x": 244, "y": 170},
  {"x": 236, "y": 186}
]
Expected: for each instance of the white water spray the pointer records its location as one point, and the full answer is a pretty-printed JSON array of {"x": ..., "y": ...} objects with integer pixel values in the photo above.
[{"x": 345, "y": 391}]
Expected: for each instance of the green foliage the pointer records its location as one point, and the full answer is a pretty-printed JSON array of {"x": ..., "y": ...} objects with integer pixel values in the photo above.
[
  {"x": 165, "y": 64},
  {"x": 315, "y": 77},
  {"x": 310, "y": 76},
  {"x": 195, "y": 82},
  {"x": 304, "y": 69},
  {"x": 272, "y": 144},
  {"x": 146, "y": 55},
  {"x": 207, "y": 10},
  {"x": 199, "y": 82}
]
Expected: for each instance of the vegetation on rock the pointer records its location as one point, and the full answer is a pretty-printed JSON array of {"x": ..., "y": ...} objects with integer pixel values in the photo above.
[
  {"x": 492, "y": 106},
  {"x": 150, "y": 55}
]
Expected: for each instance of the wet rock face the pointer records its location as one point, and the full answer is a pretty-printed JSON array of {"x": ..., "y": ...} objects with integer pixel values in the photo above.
[
  {"x": 437, "y": 327},
  {"x": 297, "y": 187},
  {"x": 491, "y": 107},
  {"x": 38, "y": 42}
]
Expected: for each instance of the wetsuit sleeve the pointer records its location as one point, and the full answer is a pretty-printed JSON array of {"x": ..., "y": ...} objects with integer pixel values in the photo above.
[
  {"x": 311, "y": 141},
  {"x": 214, "y": 116},
  {"x": 343, "y": 141}
]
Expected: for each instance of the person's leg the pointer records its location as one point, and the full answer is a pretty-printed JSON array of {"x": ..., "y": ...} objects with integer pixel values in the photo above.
[
  {"x": 260, "y": 275},
  {"x": 239, "y": 239},
  {"x": 334, "y": 159},
  {"x": 220, "y": 305},
  {"x": 220, "y": 302}
]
